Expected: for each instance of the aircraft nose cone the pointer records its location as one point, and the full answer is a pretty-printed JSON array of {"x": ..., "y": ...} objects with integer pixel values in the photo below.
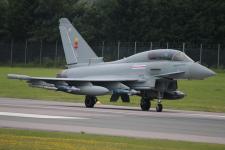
[
  {"x": 198, "y": 71},
  {"x": 210, "y": 73}
]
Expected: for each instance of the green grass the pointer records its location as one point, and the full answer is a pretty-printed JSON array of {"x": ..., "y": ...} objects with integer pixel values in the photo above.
[
  {"x": 203, "y": 95},
  {"x": 13, "y": 139}
]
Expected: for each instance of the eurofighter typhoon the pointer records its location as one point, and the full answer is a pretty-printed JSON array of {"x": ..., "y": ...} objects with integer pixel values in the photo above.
[{"x": 151, "y": 74}]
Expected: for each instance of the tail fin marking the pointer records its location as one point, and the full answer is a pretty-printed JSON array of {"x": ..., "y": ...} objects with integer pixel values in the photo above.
[{"x": 75, "y": 47}]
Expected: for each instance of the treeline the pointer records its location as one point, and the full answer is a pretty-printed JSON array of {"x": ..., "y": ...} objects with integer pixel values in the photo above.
[{"x": 116, "y": 20}]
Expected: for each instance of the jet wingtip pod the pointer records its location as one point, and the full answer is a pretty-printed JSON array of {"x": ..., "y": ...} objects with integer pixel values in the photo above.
[{"x": 16, "y": 76}]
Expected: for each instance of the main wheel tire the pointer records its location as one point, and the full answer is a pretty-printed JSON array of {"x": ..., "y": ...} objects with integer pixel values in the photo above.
[
  {"x": 159, "y": 108},
  {"x": 90, "y": 101},
  {"x": 145, "y": 104},
  {"x": 114, "y": 98},
  {"x": 125, "y": 98}
]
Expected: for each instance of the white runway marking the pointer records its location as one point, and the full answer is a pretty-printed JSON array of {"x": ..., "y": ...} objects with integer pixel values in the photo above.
[
  {"x": 37, "y": 116},
  {"x": 206, "y": 116}
]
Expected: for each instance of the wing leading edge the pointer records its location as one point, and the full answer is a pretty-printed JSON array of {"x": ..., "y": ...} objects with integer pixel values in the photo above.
[{"x": 85, "y": 79}]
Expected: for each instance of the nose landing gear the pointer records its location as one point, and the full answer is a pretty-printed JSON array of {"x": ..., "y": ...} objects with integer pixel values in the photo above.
[{"x": 159, "y": 106}]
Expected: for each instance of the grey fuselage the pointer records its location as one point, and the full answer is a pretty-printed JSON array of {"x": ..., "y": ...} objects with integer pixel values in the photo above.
[{"x": 139, "y": 66}]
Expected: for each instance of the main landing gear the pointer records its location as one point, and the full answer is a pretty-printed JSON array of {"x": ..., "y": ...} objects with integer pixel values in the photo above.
[
  {"x": 124, "y": 97},
  {"x": 146, "y": 103},
  {"x": 90, "y": 101}
]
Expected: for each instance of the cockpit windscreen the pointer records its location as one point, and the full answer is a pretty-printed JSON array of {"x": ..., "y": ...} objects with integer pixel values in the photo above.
[{"x": 171, "y": 55}]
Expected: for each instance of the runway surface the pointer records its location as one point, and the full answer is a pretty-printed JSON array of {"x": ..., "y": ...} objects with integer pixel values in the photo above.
[{"x": 113, "y": 120}]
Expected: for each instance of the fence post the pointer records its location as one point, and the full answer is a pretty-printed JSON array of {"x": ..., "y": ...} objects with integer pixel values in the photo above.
[
  {"x": 103, "y": 47},
  {"x": 41, "y": 52},
  {"x": 118, "y": 51},
  {"x": 200, "y": 56},
  {"x": 150, "y": 45},
  {"x": 167, "y": 45},
  {"x": 25, "y": 53},
  {"x": 135, "y": 47},
  {"x": 218, "y": 56},
  {"x": 183, "y": 49},
  {"x": 56, "y": 51},
  {"x": 11, "y": 52}
]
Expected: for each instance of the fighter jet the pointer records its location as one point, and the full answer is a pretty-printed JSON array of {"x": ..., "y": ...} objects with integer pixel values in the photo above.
[{"x": 152, "y": 75}]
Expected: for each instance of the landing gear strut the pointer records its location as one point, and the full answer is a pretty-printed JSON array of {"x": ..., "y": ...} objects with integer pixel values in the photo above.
[
  {"x": 90, "y": 101},
  {"x": 145, "y": 104}
]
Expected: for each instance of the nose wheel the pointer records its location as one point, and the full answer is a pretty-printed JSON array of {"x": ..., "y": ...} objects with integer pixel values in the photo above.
[{"x": 159, "y": 106}]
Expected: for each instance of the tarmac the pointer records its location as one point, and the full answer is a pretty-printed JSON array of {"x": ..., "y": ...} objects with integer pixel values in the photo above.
[{"x": 178, "y": 125}]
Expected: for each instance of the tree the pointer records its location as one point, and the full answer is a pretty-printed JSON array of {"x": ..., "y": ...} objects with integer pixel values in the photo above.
[
  {"x": 111, "y": 20},
  {"x": 3, "y": 16}
]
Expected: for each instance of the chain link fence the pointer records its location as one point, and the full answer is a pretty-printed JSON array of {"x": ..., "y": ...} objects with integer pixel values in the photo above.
[{"x": 50, "y": 54}]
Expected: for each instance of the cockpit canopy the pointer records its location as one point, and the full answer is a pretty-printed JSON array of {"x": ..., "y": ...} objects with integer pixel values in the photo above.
[
  {"x": 158, "y": 55},
  {"x": 168, "y": 54}
]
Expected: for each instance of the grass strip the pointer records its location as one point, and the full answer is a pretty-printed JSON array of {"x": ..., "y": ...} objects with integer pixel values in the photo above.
[{"x": 14, "y": 139}]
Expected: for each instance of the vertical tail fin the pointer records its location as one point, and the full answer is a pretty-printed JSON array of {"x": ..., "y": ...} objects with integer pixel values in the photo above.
[{"x": 75, "y": 47}]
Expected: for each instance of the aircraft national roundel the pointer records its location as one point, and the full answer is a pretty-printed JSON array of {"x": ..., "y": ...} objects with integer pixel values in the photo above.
[{"x": 75, "y": 43}]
